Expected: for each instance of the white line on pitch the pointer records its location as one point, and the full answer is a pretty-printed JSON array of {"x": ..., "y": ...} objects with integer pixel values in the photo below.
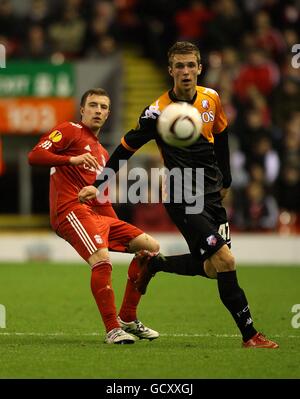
[{"x": 56, "y": 334}]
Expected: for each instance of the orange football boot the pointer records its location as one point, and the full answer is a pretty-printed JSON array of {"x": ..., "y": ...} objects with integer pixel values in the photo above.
[{"x": 260, "y": 341}]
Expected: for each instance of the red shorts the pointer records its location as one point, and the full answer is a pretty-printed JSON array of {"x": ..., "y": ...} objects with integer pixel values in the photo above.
[{"x": 88, "y": 231}]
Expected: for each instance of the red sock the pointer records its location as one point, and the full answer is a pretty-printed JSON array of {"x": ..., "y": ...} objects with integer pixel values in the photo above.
[
  {"x": 104, "y": 294},
  {"x": 132, "y": 296}
]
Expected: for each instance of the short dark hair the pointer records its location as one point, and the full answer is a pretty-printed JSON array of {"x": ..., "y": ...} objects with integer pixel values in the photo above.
[
  {"x": 98, "y": 91},
  {"x": 183, "y": 48}
]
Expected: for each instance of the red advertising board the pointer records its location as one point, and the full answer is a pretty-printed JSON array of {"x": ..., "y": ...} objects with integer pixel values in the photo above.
[{"x": 30, "y": 115}]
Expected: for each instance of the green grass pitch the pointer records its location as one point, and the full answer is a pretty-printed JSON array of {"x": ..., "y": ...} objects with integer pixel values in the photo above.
[{"x": 53, "y": 329}]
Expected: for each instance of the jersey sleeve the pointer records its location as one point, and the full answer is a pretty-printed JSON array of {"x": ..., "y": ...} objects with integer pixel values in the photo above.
[
  {"x": 49, "y": 151},
  {"x": 144, "y": 131},
  {"x": 220, "y": 122},
  {"x": 135, "y": 138},
  {"x": 221, "y": 149}
]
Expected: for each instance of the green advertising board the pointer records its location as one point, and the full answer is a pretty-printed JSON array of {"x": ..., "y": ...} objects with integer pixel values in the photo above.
[{"x": 37, "y": 79}]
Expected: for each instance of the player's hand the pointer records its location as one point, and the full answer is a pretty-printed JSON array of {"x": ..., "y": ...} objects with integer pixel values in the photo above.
[
  {"x": 87, "y": 193},
  {"x": 224, "y": 192},
  {"x": 87, "y": 159}
]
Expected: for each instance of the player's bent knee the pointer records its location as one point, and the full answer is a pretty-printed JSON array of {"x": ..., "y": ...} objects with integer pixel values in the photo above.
[
  {"x": 143, "y": 241},
  {"x": 209, "y": 269},
  {"x": 230, "y": 263},
  {"x": 101, "y": 255},
  {"x": 223, "y": 260}
]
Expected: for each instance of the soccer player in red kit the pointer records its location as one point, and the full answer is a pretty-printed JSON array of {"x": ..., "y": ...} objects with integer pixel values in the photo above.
[{"x": 75, "y": 156}]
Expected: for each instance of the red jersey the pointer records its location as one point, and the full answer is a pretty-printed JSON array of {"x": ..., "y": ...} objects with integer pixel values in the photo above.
[{"x": 55, "y": 150}]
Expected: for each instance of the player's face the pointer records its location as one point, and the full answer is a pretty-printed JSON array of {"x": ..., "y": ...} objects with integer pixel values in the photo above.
[
  {"x": 185, "y": 70},
  {"x": 95, "y": 111}
]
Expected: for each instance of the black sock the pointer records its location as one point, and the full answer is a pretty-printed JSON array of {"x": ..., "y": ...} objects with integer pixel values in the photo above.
[
  {"x": 185, "y": 265},
  {"x": 233, "y": 297}
]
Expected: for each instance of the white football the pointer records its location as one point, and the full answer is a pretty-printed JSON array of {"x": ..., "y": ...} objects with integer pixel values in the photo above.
[{"x": 179, "y": 124}]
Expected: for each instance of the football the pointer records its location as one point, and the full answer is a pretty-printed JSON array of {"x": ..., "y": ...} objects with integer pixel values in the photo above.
[{"x": 179, "y": 124}]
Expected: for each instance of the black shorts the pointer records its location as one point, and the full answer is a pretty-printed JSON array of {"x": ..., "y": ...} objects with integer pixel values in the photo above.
[{"x": 206, "y": 232}]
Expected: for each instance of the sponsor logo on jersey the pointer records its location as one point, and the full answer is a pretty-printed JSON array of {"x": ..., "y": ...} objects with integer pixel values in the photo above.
[
  {"x": 205, "y": 104},
  {"x": 211, "y": 240},
  {"x": 55, "y": 136},
  {"x": 89, "y": 168},
  {"x": 207, "y": 116},
  {"x": 152, "y": 112},
  {"x": 99, "y": 170},
  {"x": 103, "y": 160}
]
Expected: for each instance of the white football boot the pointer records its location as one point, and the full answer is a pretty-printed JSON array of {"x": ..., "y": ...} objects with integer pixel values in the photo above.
[
  {"x": 138, "y": 329},
  {"x": 119, "y": 336}
]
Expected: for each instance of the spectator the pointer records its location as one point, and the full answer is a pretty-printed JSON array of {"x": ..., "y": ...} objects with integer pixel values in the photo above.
[
  {"x": 103, "y": 47},
  {"x": 127, "y": 20},
  {"x": 9, "y": 26},
  {"x": 286, "y": 100},
  {"x": 251, "y": 129},
  {"x": 260, "y": 210},
  {"x": 262, "y": 153},
  {"x": 191, "y": 22},
  {"x": 36, "y": 46},
  {"x": 267, "y": 37},
  {"x": 291, "y": 141},
  {"x": 258, "y": 71},
  {"x": 39, "y": 14},
  {"x": 68, "y": 33},
  {"x": 288, "y": 189},
  {"x": 227, "y": 25}
]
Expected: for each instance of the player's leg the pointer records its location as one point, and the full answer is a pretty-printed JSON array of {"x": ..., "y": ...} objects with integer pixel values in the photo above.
[
  {"x": 131, "y": 299},
  {"x": 127, "y": 238},
  {"x": 184, "y": 265},
  {"x": 209, "y": 235},
  {"x": 143, "y": 241},
  {"x": 101, "y": 286},
  {"x": 234, "y": 298},
  {"x": 89, "y": 238},
  {"x": 231, "y": 294},
  {"x": 196, "y": 229}
]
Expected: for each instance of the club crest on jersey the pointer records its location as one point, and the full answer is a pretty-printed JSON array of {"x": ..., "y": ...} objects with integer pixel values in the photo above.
[
  {"x": 98, "y": 239},
  {"x": 205, "y": 104},
  {"x": 55, "y": 136},
  {"x": 211, "y": 240}
]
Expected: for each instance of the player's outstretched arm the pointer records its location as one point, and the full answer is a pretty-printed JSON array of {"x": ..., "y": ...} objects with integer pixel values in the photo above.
[
  {"x": 51, "y": 149},
  {"x": 42, "y": 157}
]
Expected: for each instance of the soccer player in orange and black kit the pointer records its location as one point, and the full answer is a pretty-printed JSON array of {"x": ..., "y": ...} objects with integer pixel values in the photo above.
[
  {"x": 207, "y": 232},
  {"x": 75, "y": 156}
]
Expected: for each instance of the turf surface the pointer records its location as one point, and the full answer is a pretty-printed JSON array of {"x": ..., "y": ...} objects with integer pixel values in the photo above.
[{"x": 53, "y": 329}]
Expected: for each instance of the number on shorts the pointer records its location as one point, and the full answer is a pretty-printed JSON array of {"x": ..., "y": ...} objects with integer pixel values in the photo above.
[{"x": 224, "y": 232}]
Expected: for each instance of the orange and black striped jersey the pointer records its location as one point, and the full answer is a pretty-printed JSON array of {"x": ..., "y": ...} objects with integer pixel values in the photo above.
[{"x": 201, "y": 154}]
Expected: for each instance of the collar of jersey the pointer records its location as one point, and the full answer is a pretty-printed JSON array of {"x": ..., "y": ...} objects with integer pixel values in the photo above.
[
  {"x": 175, "y": 99},
  {"x": 88, "y": 130}
]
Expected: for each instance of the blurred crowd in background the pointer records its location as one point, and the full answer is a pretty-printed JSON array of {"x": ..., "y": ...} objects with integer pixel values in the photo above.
[{"x": 246, "y": 49}]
